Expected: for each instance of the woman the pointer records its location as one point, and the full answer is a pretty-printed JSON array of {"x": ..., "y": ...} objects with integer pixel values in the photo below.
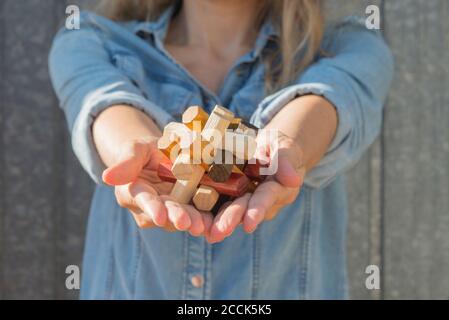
[{"x": 120, "y": 79}]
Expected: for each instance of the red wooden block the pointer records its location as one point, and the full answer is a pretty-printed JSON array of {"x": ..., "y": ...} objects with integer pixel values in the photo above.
[
  {"x": 235, "y": 186},
  {"x": 164, "y": 171},
  {"x": 253, "y": 171}
]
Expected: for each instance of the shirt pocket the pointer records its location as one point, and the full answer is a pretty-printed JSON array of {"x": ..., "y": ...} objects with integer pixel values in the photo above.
[{"x": 168, "y": 92}]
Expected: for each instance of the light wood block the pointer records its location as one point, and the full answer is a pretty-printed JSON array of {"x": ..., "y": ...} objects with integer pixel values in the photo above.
[
  {"x": 217, "y": 124},
  {"x": 185, "y": 138},
  {"x": 175, "y": 128},
  {"x": 205, "y": 198},
  {"x": 168, "y": 147},
  {"x": 184, "y": 190},
  {"x": 195, "y": 118},
  {"x": 183, "y": 167}
]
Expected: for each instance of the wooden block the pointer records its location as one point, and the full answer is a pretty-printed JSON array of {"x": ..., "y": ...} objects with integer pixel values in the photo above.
[
  {"x": 183, "y": 167},
  {"x": 221, "y": 169},
  {"x": 184, "y": 190},
  {"x": 195, "y": 118},
  {"x": 252, "y": 186},
  {"x": 185, "y": 138},
  {"x": 243, "y": 146},
  {"x": 164, "y": 171},
  {"x": 252, "y": 171},
  {"x": 175, "y": 128},
  {"x": 239, "y": 164},
  {"x": 235, "y": 186},
  {"x": 247, "y": 128},
  {"x": 224, "y": 165},
  {"x": 234, "y": 124},
  {"x": 205, "y": 198},
  {"x": 168, "y": 147},
  {"x": 244, "y": 128},
  {"x": 220, "y": 172},
  {"x": 217, "y": 123}
]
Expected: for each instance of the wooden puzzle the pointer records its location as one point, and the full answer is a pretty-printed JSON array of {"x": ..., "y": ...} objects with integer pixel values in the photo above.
[{"x": 207, "y": 157}]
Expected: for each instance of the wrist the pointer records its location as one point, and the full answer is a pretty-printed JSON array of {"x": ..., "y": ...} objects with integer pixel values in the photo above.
[
  {"x": 311, "y": 121},
  {"x": 118, "y": 126}
]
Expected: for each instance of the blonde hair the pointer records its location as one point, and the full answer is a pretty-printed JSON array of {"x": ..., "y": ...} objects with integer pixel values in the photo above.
[{"x": 299, "y": 22}]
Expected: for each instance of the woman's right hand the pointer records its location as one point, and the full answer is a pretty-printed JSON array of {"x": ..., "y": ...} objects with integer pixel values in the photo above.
[
  {"x": 139, "y": 189},
  {"x": 126, "y": 141}
]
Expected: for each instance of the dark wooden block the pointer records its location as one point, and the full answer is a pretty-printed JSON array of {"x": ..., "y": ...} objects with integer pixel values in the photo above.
[{"x": 220, "y": 170}]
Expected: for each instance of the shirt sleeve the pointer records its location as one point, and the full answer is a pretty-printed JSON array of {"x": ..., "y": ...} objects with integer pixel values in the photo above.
[
  {"x": 87, "y": 82},
  {"x": 355, "y": 76}
]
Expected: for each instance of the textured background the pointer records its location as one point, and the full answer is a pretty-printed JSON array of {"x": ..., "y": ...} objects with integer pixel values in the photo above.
[{"x": 398, "y": 193}]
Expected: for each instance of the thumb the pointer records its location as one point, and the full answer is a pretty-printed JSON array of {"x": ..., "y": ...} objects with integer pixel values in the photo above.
[
  {"x": 290, "y": 171},
  {"x": 133, "y": 158}
]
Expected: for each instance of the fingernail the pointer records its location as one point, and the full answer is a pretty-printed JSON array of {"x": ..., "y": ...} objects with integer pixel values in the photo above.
[
  {"x": 149, "y": 213},
  {"x": 221, "y": 227},
  {"x": 251, "y": 230}
]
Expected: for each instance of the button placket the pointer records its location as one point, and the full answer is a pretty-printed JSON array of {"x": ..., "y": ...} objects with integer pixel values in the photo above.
[{"x": 195, "y": 268}]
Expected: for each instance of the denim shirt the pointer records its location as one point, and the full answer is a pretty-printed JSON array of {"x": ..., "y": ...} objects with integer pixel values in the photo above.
[{"x": 299, "y": 254}]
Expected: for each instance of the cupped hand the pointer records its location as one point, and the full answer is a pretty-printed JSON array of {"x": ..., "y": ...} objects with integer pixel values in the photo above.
[
  {"x": 276, "y": 192},
  {"x": 139, "y": 189}
]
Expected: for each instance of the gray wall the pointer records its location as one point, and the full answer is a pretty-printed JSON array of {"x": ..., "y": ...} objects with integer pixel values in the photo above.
[{"x": 398, "y": 193}]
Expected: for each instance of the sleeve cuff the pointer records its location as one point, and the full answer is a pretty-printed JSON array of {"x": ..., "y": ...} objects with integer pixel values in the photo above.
[{"x": 271, "y": 105}]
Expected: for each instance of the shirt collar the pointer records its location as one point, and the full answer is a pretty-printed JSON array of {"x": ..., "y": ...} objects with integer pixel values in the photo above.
[{"x": 159, "y": 27}]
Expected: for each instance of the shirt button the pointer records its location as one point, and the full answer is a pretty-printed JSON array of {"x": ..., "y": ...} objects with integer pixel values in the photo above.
[{"x": 197, "y": 281}]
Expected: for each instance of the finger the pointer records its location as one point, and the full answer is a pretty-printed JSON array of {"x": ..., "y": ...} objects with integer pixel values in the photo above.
[
  {"x": 272, "y": 212},
  {"x": 161, "y": 187},
  {"x": 197, "y": 225},
  {"x": 291, "y": 162},
  {"x": 287, "y": 174},
  {"x": 229, "y": 218},
  {"x": 208, "y": 219},
  {"x": 142, "y": 220},
  {"x": 177, "y": 215},
  {"x": 133, "y": 157},
  {"x": 223, "y": 207},
  {"x": 152, "y": 205},
  {"x": 170, "y": 228},
  {"x": 124, "y": 198},
  {"x": 261, "y": 201},
  {"x": 143, "y": 195}
]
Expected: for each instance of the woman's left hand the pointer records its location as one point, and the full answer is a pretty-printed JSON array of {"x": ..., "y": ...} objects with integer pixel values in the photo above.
[{"x": 270, "y": 196}]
